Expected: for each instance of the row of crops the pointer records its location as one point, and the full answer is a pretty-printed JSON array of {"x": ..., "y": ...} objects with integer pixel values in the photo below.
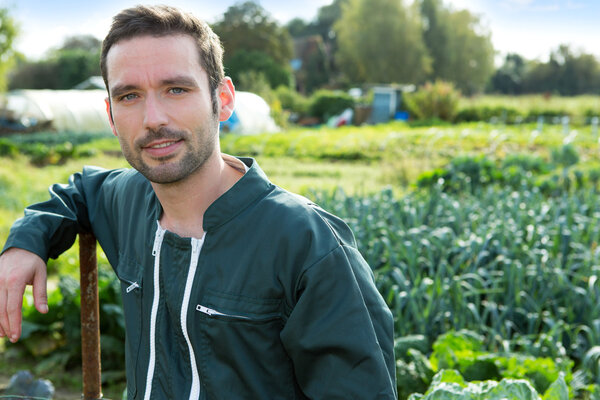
[{"x": 516, "y": 267}]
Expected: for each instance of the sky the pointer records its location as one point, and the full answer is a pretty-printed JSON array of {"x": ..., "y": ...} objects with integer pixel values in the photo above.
[{"x": 531, "y": 28}]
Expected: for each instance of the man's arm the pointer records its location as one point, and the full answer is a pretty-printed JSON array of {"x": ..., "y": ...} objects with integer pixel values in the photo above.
[
  {"x": 339, "y": 334},
  {"x": 19, "y": 268},
  {"x": 46, "y": 230}
]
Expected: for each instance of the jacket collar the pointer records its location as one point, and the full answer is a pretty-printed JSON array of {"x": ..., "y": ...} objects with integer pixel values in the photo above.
[{"x": 251, "y": 187}]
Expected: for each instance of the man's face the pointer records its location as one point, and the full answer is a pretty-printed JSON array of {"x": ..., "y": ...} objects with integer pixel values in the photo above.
[{"x": 161, "y": 106}]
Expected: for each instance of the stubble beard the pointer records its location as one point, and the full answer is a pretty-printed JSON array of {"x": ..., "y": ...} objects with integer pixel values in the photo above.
[{"x": 199, "y": 147}]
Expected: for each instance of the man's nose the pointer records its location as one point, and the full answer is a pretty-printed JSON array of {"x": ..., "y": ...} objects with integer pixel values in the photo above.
[{"x": 155, "y": 114}]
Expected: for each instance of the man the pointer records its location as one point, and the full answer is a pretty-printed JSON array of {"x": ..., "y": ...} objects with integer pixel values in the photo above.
[{"x": 232, "y": 287}]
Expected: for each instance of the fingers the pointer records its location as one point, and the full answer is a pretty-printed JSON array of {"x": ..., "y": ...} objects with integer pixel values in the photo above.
[
  {"x": 40, "y": 298},
  {"x": 14, "y": 306},
  {"x": 4, "y": 330},
  {"x": 19, "y": 268}
]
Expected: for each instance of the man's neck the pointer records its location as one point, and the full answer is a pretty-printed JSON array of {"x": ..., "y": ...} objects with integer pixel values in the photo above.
[{"x": 184, "y": 203}]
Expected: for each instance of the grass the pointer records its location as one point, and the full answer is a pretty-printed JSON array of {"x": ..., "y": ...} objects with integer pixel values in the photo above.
[{"x": 576, "y": 106}]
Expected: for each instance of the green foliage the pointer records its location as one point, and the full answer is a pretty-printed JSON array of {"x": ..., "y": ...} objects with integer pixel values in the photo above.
[
  {"x": 433, "y": 100},
  {"x": 529, "y": 109},
  {"x": 508, "y": 78},
  {"x": 48, "y": 148},
  {"x": 413, "y": 373},
  {"x": 248, "y": 27},
  {"x": 513, "y": 266},
  {"x": 565, "y": 156},
  {"x": 567, "y": 72},
  {"x": 292, "y": 101},
  {"x": 464, "y": 351},
  {"x": 326, "y": 103},
  {"x": 8, "y": 148},
  {"x": 55, "y": 338},
  {"x": 244, "y": 61},
  {"x": 450, "y": 385},
  {"x": 501, "y": 113},
  {"x": 8, "y": 33},
  {"x": 74, "y": 66},
  {"x": 472, "y": 173},
  {"x": 75, "y": 61},
  {"x": 381, "y": 41},
  {"x": 461, "y": 50}
]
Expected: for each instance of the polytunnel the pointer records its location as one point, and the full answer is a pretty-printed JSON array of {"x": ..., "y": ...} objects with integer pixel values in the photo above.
[
  {"x": 251, "y": 115},
  {"x": 54, "y": 110}
]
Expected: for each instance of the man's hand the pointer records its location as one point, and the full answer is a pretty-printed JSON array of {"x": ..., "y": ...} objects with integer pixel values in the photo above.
[{"x": 19, "y": 268}]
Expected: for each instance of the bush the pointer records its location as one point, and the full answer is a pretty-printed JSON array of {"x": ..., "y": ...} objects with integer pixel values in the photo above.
[
  {"x": 8, "y": 149},
  {"x": 326, "y": 103},
  {"x": 549, "y": 113},
  {"x": 433, "y": 100},
  {"x": 501, "y": 113},
  {"x": 292, "y": 101}
]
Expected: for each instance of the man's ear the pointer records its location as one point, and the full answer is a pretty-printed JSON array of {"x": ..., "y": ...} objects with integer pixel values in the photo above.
[
  {"x": 226, "y": 93},
  {"x": 110, "y": 116}
]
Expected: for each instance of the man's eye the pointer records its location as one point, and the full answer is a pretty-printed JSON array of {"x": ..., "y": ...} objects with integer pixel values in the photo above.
[
  {"x": 177, "y": 90},
  {"x": 129, "y": 97}
]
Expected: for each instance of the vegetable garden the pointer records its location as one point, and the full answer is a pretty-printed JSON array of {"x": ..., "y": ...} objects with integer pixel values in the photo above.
[{"x": 483, "y": 240}]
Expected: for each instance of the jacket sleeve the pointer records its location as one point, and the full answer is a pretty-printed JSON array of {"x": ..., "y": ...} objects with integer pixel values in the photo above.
[
  {"x": 340, "y": 332},
  {"x": 49, "y": 228}
]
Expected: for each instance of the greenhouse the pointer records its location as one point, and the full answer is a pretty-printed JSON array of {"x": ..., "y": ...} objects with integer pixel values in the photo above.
[{"x": 53, "y": 110}]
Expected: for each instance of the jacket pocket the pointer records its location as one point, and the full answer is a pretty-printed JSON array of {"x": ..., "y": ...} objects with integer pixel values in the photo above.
[
  {"x": 130, "y": 275},
  {"x": 240, "y": 348}
]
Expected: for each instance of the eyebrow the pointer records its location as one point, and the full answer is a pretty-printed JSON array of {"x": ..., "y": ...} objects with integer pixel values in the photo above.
[{"x": 185, "y": 81}]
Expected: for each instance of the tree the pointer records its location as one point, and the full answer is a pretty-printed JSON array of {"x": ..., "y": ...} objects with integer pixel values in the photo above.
[
  {"x": 579, "y": 72},
  {"x": 315, "y": 44},
  {"x": 508, "y": 79},
  {"x": 259, "y": 62},
  {"x": 461, "y": 49},
  {"x": 381, "y": 41},
  {"x": 74, "y": 61},
  {"x": 567, "y": 73},
  {"x": 8, "y": 33},
  {"x": 253, "y": 41},
  {"x": 297, "y": 27},
  {"x": 248, "y": 26}
]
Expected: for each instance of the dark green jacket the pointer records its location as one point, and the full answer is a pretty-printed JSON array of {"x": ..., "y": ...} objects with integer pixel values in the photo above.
[{"x": 275, "y": 302}]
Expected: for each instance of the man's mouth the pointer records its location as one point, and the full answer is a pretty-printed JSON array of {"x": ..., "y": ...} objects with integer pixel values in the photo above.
[
  {"x": 162, "y": 148},
  {"x": 161, "y": 145}
]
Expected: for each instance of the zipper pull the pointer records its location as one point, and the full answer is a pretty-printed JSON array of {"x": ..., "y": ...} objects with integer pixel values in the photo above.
[
  {"x": 131, "y": 287},
  {"x": 205, "y": 310}
]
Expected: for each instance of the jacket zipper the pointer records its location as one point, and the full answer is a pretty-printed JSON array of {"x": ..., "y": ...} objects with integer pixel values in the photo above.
[
  {"x": 158, "y": 239},
  {"x": 133, "y": 286},
  {"x": 196, "y": 248},
  {"x": 212, "y": 312}
]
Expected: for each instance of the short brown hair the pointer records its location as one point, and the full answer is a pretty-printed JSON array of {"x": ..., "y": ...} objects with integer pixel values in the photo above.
[{"x": 164, "y": 20}]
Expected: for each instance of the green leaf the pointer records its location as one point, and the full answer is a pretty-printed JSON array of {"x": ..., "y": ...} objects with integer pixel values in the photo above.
[
  {"x": 448, "y": 376},
  {"x": 558, "y": 390},
  {"x": 516, "y": 389}
]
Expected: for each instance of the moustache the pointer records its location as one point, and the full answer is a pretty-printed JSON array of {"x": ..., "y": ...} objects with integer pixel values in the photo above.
[{"x": 160, "y": 134}]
